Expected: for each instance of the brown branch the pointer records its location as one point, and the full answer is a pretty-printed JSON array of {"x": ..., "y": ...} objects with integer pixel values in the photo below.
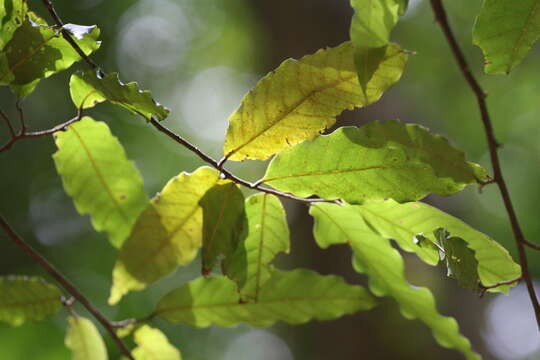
[
  {"x": 531, "y": 245},
  {"x": 441, "y": 18},
  {"x": 21, "y": 116},
  {"x": 66, "y": 284},
  {"x": 8, "y": 123},
  {"x": 228, "y": 175},
  {"x": 483, "y": 288}
]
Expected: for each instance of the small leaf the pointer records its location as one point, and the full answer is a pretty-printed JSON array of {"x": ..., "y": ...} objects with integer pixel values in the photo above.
[
  {"x": 383, "y": 264},
  {"x": 377, "y": 161},
  {"x": 84, "y": 340},
  {"x": 223, "y": 219},
  {"x": 294, "y": 297},
  {"x": 153, "y": 345},
  {"x": 168, "y": 233},
  {"x": 267, "y": 234},
  {"x": 100, "y": 179},
  {"x": 89, "y": 88},
  {"x": 300, "y": 99},
  {"x": 36, "y": 52},
  {"x": 12, "y": 15},
  {"x": 25, "y": 298},
  {"x": 506, "y": 30}
]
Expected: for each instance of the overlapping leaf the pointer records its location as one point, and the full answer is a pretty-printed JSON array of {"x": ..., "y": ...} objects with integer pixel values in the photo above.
[
  {"x": 12, "y": 15},
  {"x": 267, "y": 234},
  {"x": 302, "y": 98},
  {"x": 403, "y": 222},
  {"x": 294, "y": 297},
  {"x": 90, "y": 87},
  {"x": 27, "y": 299},
  {"x": 223, "y": 220},
  {"x": 384, "y": 266},
  {"x": 377, "y": 161},
  {"x": 36, "y": 52},
  {"x": 168, "y": 233},
  {"x": 99, "y": 177},
  {"x": 152, "y": 344},
  {"x": 84, "y": 340},
  {"x": 506, "y": 30}
]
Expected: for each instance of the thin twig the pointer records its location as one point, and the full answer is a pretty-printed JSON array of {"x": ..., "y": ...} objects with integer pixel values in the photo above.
[
  {"x": 531, "y": 245},
  {"x": 66, "y": 284},
  {"x": 483, "y": 288},
  {"x": 48, "y": 4},
  {"x": 8, "y": 123},
  {"x": 228, "y": 175},
  {"x": 441, "y": 18},
  {"x": 21, "y": 116}
]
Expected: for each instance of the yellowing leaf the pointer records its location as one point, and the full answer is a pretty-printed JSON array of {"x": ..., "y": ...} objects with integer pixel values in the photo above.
[
  {"x": 84, "y": 340},
  {"x": 153, "y": 345},
  {"x": 168, "y": 233},
  {"x": 27, "y": 299},
  {"x": 300, "y": 99},
  {"x": 267, "y": 234},
  {"x": 294, "y": 297},
  {"x": 100, "y": 179}
]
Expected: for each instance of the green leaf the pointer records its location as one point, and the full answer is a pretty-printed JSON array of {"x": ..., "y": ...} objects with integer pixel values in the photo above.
[
  {"x": 25, "y": 298},
  {"x": 84, "y": 340},
  {"x": 403, "y": 223},
  {"x": 377, "y": 161},
  {"x": 506, "y": 30},
  {"x": 459, "y": 260},
  {"x": 384, "y": 266},
  {"x": 300, "y": 99},
  {"x": 99, "y": 177},
  {"x": 267, "y": 235},
  {"x": 168, "y": 233},
  {"x": 294, "y": 297},
  {"x": 89, "y": 88},
  {"x": 12, "y": 15},
  {"x": 36, "y": 52},
  {"x": 223, "y": 220},
  {"x": 153, "y": 345}
]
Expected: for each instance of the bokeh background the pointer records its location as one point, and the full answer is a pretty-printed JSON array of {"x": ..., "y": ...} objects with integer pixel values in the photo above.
[{"x": 199, "y": 57}]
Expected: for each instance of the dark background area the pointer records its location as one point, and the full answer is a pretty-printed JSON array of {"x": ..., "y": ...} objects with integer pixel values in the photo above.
[{"x": 199, "y": 57}]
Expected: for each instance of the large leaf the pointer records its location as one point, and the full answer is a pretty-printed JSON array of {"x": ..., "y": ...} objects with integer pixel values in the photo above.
[
  {"x": 403, "y": 222},
  {"x": 300, "y": 99},
  {"x": 267, "y": 234},
  {"x": 294, "y": 297},
  {"x": 383, "y": 264},
  {"x": 36, "y": 52},
  {"x": 99, "y": 177},
  {"x": 168, "y": 233},
  {"x": 377, "y": 161},
  {"x": 84, "y": 340},
  {"x": 12, "y": 15},
  {"x": 223, "y": 220},
  {"x": 506, "y": 30},
  {"x": 25, "y": 298},
  {"x": 90, "y": 87},
  {"x": 152, "y": 344}
]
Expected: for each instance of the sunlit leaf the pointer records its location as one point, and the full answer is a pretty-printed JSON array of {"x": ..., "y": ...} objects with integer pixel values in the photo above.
[
  {"x": 37, "y": 51},
  {"x": 25, "y": 298},
  {"x": 506, "y": 30},
  {"x": 90, "y": 87},
  {"x": 294, "y": 297},
  {"x": 12, "y": 15},
  {"x": 223, "y": 219},
  {"x": 84, "y": 340},
  {"x": 376, "y": 257},
  {"x": 99, "y": 177},
  {"x": 152, "y": 344},
  {"x": 377, "y": 161},
  {"x": 300, "y": 99},
  {"x": 403, "y": 223},
  {"x": 267, "y": 234},
  {"x": 168, "y": 233}
]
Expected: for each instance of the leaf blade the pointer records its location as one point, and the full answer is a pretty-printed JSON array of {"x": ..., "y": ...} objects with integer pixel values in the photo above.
[
  {"x": 84, "y": 340},
  {"x": 153, "y": 344}
]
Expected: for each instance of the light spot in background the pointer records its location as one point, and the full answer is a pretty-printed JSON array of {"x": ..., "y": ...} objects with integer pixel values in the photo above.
[
  {"x": 510, "y": 330},
  {"x": 208, "y": 100},
  {"x": 258, "y": 344},
  {"x": 412, "y": 8}
]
